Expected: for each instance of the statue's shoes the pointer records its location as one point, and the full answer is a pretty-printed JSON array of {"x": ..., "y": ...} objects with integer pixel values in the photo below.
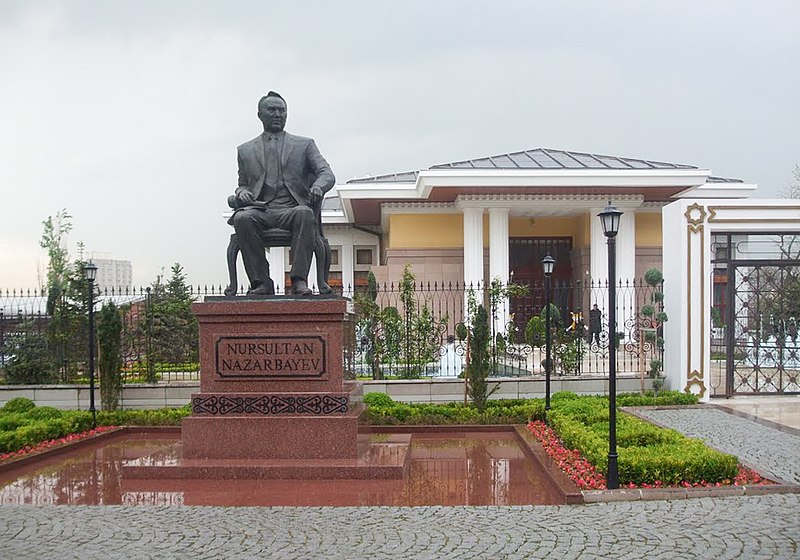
[
  {"x": 267, "y": 289},
  {"x": 300, "y": 288}
]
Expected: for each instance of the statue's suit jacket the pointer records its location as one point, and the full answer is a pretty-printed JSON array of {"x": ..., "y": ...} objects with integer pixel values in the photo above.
[{"x": 302, "y": 164}]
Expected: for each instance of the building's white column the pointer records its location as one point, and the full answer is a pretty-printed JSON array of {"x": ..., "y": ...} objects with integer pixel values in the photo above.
[
  {"x": 687, "y": 296},
  {"x": 626, "y": 246},
  {"x": 626, "y": 261},
  {"x": 473, "y": 251},
  {"x": 277, "y": 267},
  {"x": 626, "y": 270},
  {"x": 598, "y": 255},
  {"x": 312, "y": 276},
  {"x": 498, "y": 260},
  {"x": 348, "y": 274}
]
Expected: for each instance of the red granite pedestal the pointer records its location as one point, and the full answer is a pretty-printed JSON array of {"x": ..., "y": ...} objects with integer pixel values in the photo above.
[{"x": 273, "y": 402}]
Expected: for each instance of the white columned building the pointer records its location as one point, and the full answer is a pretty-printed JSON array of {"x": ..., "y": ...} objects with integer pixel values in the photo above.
[{"x": 538, "y": 200}]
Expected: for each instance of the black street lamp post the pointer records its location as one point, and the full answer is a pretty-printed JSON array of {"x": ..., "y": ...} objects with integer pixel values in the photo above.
[
  {"x": 90, "y": 272},
  {"x": 609, "y": 218},
  {"x": 548, "y": 263}
]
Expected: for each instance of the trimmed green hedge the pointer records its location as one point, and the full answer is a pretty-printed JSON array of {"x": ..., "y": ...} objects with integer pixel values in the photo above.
[
  {"x": 36, "y": 424},
  {"x": 497, "y": 412},
  {"x": 647, "y": 454},
  {"x": 157, "y": 417},
  {"x": 664, "y": 398},
  {"x": 382, "y": 410},
  {"x": 18, "y": 430}
]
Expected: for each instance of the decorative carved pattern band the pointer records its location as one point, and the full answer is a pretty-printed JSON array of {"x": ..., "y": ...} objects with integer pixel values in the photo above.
[
  {"x": 221, "y": 405},
  {"x": 695, "y": 218}
]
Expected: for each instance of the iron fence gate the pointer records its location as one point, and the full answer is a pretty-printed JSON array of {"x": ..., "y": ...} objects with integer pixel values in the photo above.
[{"x": 756, "y": 289}]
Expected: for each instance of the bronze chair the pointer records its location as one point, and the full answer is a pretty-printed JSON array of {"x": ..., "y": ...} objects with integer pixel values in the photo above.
[{"x": 275, "y": 237}]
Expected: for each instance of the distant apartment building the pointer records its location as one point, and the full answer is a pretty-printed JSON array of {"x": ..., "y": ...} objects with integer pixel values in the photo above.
[{"x": 113, "y": 274}]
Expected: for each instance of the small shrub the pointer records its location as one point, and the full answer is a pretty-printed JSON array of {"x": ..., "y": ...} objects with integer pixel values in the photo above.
[
  {"x": 19, "y": 404},
  {"x": 44, "y": 413},
  {"x": 653, "y": 277},
  {"x": 534, "y": 331},
  {"x": 563, "y": 396},
  {"x": 378, "y": 399}
]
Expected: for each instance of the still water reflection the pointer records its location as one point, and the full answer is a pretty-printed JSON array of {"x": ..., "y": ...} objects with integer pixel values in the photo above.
[{"x": 446, "y": 469}]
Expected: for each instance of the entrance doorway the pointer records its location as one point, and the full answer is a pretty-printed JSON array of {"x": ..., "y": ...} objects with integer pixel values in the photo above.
[{"x": 525, "y": 262}]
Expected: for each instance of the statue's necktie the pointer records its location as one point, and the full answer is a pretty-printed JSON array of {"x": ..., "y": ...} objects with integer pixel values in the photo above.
[{"x": 272, "y": 167}]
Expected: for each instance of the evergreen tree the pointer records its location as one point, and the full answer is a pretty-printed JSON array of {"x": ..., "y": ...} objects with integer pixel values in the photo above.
[
  {"x": 109, "y": 345},
  {"x": 173, "y": 327},
  {"x": 480, "y": 363},
  {"x": 31, "y": 361}
]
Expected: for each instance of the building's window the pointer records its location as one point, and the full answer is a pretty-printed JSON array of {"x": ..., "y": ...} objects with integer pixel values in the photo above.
[
  {"x": 334, "y": 257},
  {"x": 364, "y": 256}
]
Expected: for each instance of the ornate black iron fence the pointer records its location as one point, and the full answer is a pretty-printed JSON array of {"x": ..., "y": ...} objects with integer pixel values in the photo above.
[
  {"x": 406, "y": 331},
  {"x": 42, "y": 340},
  {"x": 392, "y": 339}
]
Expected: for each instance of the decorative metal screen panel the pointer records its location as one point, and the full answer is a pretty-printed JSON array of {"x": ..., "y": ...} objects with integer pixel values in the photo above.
[
  {"x": 765, "y": 356},
  {"x": 755, "y": 346}
]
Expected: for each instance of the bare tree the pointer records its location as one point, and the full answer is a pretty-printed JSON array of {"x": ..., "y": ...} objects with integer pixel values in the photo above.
[{"x": 792, "y": 189}]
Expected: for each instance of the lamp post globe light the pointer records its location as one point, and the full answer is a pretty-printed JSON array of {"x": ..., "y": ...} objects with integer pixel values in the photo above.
[
  {"x": 90, "y": 273},
  {"x": 548, "y": 264},
  {"x": 609, "y": 218}
]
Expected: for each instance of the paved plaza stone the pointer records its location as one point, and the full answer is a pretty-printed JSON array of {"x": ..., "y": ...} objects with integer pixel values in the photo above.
[
  {"x": 720, "y": 528},
  {"x": 746, "y": 527}
]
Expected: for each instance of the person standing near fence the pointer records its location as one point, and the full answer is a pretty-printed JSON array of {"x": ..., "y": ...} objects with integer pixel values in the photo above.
[{"x": 595, "y": 324}]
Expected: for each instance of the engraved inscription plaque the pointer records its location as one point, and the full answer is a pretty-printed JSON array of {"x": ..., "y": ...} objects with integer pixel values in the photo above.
[{"x": 268, "y": 357}]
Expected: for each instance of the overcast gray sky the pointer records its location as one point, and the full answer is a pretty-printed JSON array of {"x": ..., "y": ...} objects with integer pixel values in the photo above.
[{"x": 128, "y": 114}]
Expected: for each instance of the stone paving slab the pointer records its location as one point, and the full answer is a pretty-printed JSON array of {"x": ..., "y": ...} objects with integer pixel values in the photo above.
[
  {"x": 740, "y": 527},
  {"x": 770, "y": 451},
  {"x": 719, "y": 528}
]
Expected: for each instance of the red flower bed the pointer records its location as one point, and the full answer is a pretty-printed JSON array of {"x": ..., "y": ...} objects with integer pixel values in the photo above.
[
  {"x": 584, "y": 474},
  {"x": 587, "y": 477},
  {"x": 43, "y": 445}
]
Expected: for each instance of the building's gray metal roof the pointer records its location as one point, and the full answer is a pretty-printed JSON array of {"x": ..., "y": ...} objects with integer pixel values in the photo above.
[
  {"x": 723, "y": 180},
  {"x": 540, "y": 158},
  {"x": 405, "y": 177}
]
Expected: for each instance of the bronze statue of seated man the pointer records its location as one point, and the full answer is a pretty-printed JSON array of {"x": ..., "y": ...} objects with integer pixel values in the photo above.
[{"x": 282, "y": 180}]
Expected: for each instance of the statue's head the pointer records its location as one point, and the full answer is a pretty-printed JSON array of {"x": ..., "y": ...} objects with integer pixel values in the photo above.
[{"x": 272, "y": 112}]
